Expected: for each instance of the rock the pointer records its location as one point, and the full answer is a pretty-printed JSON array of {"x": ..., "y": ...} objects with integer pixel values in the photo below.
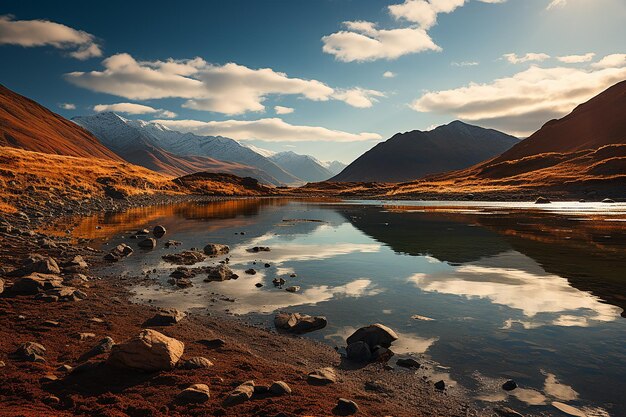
[
  {"x": 440, "y": 385},
  {"x": 51, "y": 323},
  {"x": 293, "y": 288},
  {"x": 183, "y": 283},
  {"x": 84, "y": 336},
  {"x": 36, "y": 264},
  {"x": 51, "y": 400},
  {"x": 359, "y": 352},
  {"x": 408, "y": 363},
  {"x": 1, "y": 285},
  {"x": 182, "y": 272},
  {"x": 149, "y": 243},
  {"x": 259, "y": 249},
  {"x": 373, "y": 335},
  {"x": 165, "y": 318},
  {"x": 196, "y": 393},
  {"x": 214, "y": 249},
  {"x": 345, "y": 407},
  {"x": 148, "y": 351},
  {"x": 29, "y": 352},
  {"x": 381, "y": 354},
  {"x": 280, "y": 388},
  {"x": 171, "y": 243},
  {"x": 104, "y": 346},
  {"x": 212, "y": 343},
  {"x": 509, "y": 385},
  {"x": 220, "y": 272},
  {"x": 542, "y": 200},
  {"x": 608, "y": 201},
  {"x": 75, "y": 265},
  {"x": 35, "y": 283},
  {"x": 278, "y": 282},
  {"x": 120, "y": 251},
  {"x": 65, "y": 368},
  {"x": 196, "y": 362},
  {"x": 142, "y": 232},
  {"x": 240, "y": 394},
  {"x": 159, "y": 231},
  {"x": 67, "y": 294},
  {"x": 267, "y": 265},
  {"x": 251, "y": 271},
  {"x": 299, "y": 323},
  {"x": 506, "y": 412},
  {"x": 261, "y": 389},
  {"x": 188, "y": 257},
  {"x": 258, "y": 285},
  {"x": 322, "y": 376}
]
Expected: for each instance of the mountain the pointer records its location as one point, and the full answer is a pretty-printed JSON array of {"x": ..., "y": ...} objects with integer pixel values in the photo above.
[
  {"x": 582, "y": 154},
  {"x": 304, "y": 167},
  {"x": 335, "y": 167},
  {"x": 408, "y": 156},
  {"x": 28, "y": 125},
  {"x": 157, "y": 147}
]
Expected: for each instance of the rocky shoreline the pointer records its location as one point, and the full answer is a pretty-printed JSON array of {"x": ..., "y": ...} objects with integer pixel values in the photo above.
[{"x": 71, "y": 339}]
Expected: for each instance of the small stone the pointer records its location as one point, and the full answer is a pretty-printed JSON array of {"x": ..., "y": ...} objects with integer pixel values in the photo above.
[
  {"x": 440, "y": 385},
  {"x": 214, "y": 249},
  {"x": 240, "y": 394},
  {"x": 250, "y": 271},
  {"x": 212, "y": 343},
  {"x": 280, "y": 388},
  {"x": 196, "y": 393},
  {"x": 196, "y": 362},
  {"x": 509, "y": 385},
  {"x": 165, "y": 318},
  {"x": 293, "y": 288},
  {"x": 322, "y": 376},
  {"x": 278, "y": 282},
  {"x": 159, "y": 231},
  {"x": 30, "y": 352},
  {"x": 345, "y": 407},
  {"x": 51, "y": 400},
  {"x": 267, "y": 265},
  {"x": 149, "y": 243},
  {"x": 408, "y": 363},
  {"x": 258, "y": 285}
]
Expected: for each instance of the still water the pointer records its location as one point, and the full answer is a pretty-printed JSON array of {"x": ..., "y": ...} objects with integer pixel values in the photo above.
[{"x": 482, "y": 292}]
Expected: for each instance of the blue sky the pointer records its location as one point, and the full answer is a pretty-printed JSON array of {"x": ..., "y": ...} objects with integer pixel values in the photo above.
[{"x": 511, "y": 65}]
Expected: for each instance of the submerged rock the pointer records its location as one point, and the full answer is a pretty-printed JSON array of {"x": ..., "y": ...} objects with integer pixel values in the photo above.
[{"x": 148, "y": 351}]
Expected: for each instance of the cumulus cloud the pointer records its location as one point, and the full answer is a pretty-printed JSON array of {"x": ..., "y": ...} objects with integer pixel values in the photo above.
[
  {"x": 67, "y": 106},
  {"x": 523, "y": 102},
  {"x": 529, "y": 57},
  {"x": 364, "y": 41},
  {"x": 611, "y": 61},
  {"x": 228, "y": 89},
  {"x": 358, "y": 97},
  {"x": 283, "y": 110},
  {"x": 30, "y": 33},
  {"x": 576, "y": 59},
  {"x": 133, "y": 108},
  {"x": 389, "y": 74},
  {"x": 270, "y": 129}
]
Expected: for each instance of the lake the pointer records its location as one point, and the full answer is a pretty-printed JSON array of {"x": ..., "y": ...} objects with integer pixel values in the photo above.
[{"x": 478, "y": 292}]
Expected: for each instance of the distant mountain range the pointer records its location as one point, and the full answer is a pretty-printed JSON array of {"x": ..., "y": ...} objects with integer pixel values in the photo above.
[
  {"x": 303, "y": 166},
  {"x": 28, "y": 125},
  {"x": 408, "y": 156}
]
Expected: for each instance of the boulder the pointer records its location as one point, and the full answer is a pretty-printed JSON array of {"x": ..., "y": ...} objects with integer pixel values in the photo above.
[
  {"x": 196, "y": 362},
  {"x": 196, "y": 393},
  {"x": 214, "y": 249},
  {"x": 36, "y": 283},
  {"x": 373, "y": 335},
  {"x": 149, "y": 243},
  {"x": 322, "y": 376},
  {"x": 159, "y": 231},
  {"x": 298, "y": 323},
  {"x": 280, "y": 388},
  {"x": 148, "y": 351},
  {"x": 165, "y": 318},
  {"x": 345, "y": 407},
  {"x": 220, "y": 272},
  {"x": 29, "y": 352},
  {"x": 36, "y": 264},
  {"x": 359, "y": 352},
  {"x": 240, "y": 394}
]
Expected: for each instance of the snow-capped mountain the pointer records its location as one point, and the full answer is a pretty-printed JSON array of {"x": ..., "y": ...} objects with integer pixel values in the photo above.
[
  {"x": 138, "y": 141},
  {"x": 305, "y": 167},
  {"x": 335, "y": 167}
]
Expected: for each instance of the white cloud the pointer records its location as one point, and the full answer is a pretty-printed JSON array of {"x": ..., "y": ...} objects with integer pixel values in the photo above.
[
  {"x": 133, "y": 108},
  {"x": 270, "y": 129},
  {"x": 67, "y": 106},
  {"x": 363, "y": 41},
  {"x": 389, "y": 74},
  {"x": 611, "y": 61},
  {"x": 576, "y": 59},
  {"x": 228, "y": 89},
  {"x": 523, "y": 102},
  {"x": 283, "y": 110},
  {"x": 358, "y": 97},
  {"x": 529, "y": 57},
  {"x": 464, "y": 64},
  {"x": 556, "y": 3},
  {"x": 31, "y": 33}
]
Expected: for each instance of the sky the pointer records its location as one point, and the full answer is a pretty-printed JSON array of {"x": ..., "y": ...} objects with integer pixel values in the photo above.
[{"x": 329, "y": 78}]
